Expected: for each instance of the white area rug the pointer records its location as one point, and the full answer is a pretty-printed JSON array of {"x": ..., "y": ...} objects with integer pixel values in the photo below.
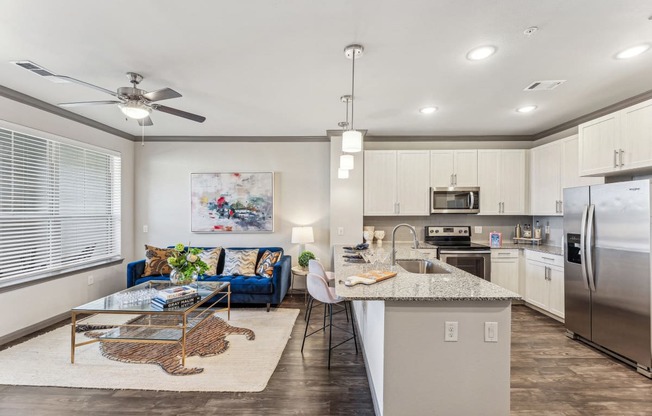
[{"x": 246, "y": 366}]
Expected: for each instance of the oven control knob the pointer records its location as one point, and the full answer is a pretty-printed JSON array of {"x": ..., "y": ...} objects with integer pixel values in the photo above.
[
  {"x": 460, "y": 231},
  {"x": 436, "y": 231}
]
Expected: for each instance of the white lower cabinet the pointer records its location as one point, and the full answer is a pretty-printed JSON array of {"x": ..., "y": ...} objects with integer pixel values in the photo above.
[
  {"x": 544, "y": 281},
  {"x": 505, "y": 269}
]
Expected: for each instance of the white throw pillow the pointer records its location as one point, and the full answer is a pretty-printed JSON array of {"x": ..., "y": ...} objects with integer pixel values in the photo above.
[{"x": 240, "y": 262}]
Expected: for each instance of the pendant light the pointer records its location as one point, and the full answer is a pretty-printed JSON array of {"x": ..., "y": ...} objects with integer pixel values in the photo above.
[
  {"x": 346, "y": 161},
  {"x": 351, "y": 138}
]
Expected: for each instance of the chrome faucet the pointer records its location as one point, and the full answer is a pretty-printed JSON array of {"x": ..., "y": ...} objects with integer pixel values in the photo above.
[{"x": 414, "y": 235}]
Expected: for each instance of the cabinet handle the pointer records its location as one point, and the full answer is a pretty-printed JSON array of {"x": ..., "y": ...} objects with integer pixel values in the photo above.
[
  {"x": 620, "y": 157},
  {"x": 504, "y": 254},
  {"x": 548, "y": 258},
  {"x": 398, "y": 205},
  {"x": 615, "y": 158},
  {"x": 502, "y": 207},
  {"x": 452, "y": 182},
  {"x": 455, "y": 176},
  {"x": 561, "y": 206}
]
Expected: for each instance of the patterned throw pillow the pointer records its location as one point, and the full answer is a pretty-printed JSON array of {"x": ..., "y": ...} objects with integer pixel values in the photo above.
[
  {"x": 266, "y": 263},
  {"x": 240, "y": 262},
  {"x": 156, "y": 261},
  {"x": 211, "y": 258}
]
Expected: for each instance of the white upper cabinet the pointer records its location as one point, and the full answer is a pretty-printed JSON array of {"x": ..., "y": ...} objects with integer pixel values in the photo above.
[
  {"x": 380, "y": 182},
  {"x": 636, "y": 137},
  {"x": 618, "y": 142},
  {"x": 396, "y": 182},
  {"x": 453, "y": 168},
  {"x": 413, "y": 173},
  {"x": 502, "y": 178},
  {"x": 545, "y": 169},
  {"x": 554, "y": 167},
  {"x": 570, "y": 170}
]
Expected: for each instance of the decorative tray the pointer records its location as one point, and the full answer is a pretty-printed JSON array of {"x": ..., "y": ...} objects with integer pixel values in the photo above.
[{"x": 536, "y": 241}]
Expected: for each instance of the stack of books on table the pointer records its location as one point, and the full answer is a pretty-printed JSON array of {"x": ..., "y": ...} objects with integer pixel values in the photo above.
[{"x": 175, "y": 297}]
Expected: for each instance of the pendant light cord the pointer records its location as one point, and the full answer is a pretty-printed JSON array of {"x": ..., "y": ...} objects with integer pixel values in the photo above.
[{"x": 352, "y": 87}]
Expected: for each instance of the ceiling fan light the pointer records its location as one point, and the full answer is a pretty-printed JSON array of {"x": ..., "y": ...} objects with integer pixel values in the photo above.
[
  {"x": 134, "y": 110},
  {"x": 346, "y": 162},
  {"x": 352, "y": 141},
  {"x": 342, "y": 174}
]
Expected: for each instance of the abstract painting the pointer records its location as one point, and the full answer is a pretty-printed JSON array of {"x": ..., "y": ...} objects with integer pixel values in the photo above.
[{"x": 233, "y": 202}]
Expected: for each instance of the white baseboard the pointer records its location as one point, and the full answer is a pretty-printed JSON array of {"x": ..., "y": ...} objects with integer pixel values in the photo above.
[{"x": 33, "y": 328}]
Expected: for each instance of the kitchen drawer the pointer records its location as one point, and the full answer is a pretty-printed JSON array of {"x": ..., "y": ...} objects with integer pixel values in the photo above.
[
  {"x": 549, "y": 259},
  {"x": 504, "y": 253}
]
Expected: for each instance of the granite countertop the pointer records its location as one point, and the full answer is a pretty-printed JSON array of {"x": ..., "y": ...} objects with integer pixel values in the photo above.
[
  {"x": 556, "y": 250},
  {"x": 406, "y": 286}
]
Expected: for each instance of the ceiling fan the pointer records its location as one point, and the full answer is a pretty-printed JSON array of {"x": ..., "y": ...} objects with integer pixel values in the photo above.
[{"x": 134, "y": 102}]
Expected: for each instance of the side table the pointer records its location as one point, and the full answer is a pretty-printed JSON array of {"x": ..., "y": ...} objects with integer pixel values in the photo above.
[{"x": 301, "y": 272}]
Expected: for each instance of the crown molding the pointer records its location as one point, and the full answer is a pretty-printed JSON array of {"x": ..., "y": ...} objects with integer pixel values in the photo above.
[
  {"x": 42, "y": 105},
  {"x": 56, "y": 110}
]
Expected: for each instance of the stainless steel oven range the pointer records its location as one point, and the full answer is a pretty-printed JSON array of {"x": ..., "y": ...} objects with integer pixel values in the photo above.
[{"x": 454, "y": 247}]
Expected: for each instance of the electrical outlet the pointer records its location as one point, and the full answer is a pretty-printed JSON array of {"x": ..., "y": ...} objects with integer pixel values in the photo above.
[
  {"x": 451, "y": 332},
  {"x": 145, "y": 228},
  {"x": 477, "y": 230},
  {"x": 340, "y": 230},
  {"x": 491, "y": 332},
  {"x": 91, "y": 280}
]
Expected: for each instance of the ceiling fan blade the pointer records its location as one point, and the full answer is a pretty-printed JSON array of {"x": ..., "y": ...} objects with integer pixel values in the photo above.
[
  {"x": 175, "y": 112},
  {"x": 145, "y": 121},
  {"x": 86, "y": 84},
  {"x": 162, "y": 94},
  {"x": 84, "y": 103}
]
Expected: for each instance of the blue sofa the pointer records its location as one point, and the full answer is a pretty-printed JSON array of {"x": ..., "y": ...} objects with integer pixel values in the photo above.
[{"x": 244, "y": 289}]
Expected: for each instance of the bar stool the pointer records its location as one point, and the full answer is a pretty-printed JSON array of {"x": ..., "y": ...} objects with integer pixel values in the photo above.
[
  {"x": 317, "y": 268},
  {"x": 319, "y": 290}
]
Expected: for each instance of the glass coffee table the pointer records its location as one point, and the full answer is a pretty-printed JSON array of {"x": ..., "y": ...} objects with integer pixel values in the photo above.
[{"x": 152, "y": 325}]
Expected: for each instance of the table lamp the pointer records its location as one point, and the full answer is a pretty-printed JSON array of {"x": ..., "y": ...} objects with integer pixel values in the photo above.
[{"x": 302, "y": 235}]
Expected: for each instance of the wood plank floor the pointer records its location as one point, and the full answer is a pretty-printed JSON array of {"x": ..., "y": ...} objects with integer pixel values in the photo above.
[{"x": 551, "y": 375}]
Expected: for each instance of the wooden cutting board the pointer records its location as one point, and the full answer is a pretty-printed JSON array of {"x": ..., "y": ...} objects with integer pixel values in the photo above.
[{"x": 368, "y": 278}]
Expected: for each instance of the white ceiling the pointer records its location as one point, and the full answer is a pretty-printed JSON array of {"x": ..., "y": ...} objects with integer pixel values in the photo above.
[{"x": 277, "y": 68}]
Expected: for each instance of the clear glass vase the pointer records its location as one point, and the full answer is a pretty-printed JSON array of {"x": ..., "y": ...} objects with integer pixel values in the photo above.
[{"x": 178, "y": 278}]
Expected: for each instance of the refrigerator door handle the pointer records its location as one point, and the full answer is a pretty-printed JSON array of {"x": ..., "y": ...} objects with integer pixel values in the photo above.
[
  {"x": 585, "y": 277},
  {"x": 588, "y": 244}
]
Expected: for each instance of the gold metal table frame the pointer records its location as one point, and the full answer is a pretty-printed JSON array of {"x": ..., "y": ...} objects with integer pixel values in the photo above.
[{"x": 152, "y": 330}]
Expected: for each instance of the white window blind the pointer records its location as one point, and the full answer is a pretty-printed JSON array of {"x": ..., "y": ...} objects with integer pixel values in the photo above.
[{"x": 59, "y": 206}]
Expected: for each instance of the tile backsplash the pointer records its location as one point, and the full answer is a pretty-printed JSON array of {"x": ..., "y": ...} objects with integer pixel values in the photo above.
[{"x": 500, "y": 223}]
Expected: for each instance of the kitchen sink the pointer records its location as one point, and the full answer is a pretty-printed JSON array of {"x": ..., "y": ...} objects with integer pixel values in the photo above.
[{"x": 420, "y": 266}]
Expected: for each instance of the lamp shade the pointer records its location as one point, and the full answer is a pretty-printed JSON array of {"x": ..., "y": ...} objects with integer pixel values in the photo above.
[
  {"x": 346, "y": 162},
  {"x": 302, "y": 235},
  {"x": 342, "y": 174},
  {"x": 351, "y": 141}
]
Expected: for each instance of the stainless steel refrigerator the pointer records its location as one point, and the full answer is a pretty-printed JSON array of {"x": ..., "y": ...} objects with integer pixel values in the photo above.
[{"x": 607, "y": 268}]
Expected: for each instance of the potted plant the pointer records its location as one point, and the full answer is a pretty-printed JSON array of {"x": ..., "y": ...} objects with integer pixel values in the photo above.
[{"x": 305, "y": 257}]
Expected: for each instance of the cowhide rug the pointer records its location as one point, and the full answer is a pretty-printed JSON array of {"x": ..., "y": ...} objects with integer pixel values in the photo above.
[{"x": 207, "y": 340}]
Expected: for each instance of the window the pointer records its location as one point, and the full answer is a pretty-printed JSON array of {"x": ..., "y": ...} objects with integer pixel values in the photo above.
[{"x": 59, "y": 206}]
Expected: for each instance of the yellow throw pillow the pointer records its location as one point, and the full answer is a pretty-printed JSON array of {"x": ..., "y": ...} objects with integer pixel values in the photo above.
[
  {"x": 266, "y": 263},
  {"x": 156, "y": 261},
  {"x": 211, "y": 258}
]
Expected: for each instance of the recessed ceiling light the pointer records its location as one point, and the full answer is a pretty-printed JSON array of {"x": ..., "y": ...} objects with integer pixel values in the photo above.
[
  {"x": 480, "y": 53},
  {"x": 633, "y": 51},
  {"x": 526, "y": 109},
  {"x": 427, "y": 110}
]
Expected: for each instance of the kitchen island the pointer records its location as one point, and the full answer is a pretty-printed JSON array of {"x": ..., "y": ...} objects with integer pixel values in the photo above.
[{"x": 402, "y": 324}]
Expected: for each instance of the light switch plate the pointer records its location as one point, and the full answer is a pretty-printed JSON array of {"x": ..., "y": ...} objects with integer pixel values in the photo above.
[
  {"x": 477, "y": 229},
  {"x": 491, "y": 332}
]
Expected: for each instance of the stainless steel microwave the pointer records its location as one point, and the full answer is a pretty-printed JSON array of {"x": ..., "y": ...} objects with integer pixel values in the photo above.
[{"x": 455, "y": 200}]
